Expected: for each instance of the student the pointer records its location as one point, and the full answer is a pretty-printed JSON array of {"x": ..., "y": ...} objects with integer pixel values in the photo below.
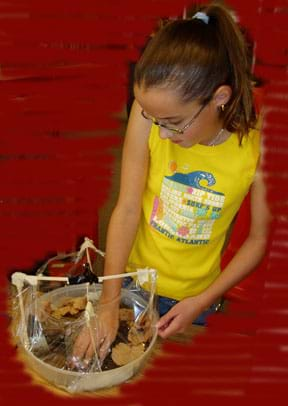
[{"x": 190, "y": 156}]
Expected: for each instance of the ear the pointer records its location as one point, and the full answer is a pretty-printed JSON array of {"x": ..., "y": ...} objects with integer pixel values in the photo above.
[{"x": 222, "y": 95}]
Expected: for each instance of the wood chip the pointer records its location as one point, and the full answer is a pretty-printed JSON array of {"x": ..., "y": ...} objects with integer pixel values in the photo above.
[
  {"x": 123, "y": 353},
  {"x": 70, "y": 306},
  {"x": 139, "y": 335},
  {"x": 126, "y": 314}
]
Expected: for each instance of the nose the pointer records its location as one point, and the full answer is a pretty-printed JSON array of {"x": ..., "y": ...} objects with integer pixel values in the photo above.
[{"x": 164, "y": 133}]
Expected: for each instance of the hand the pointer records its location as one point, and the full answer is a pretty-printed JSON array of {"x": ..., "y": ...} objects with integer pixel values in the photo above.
[
  {"x": 98, "y": 336},
  {"x": 180, "y": 316}
]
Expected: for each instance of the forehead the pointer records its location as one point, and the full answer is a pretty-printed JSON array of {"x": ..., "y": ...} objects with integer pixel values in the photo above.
[{"x": 162, "y": 102}]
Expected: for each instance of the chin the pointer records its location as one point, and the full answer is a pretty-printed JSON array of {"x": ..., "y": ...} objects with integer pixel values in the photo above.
[{"x": 185, "y": 144}]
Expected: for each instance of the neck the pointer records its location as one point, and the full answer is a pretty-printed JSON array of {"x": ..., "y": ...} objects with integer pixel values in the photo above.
[{"x": 218, "y": 138}]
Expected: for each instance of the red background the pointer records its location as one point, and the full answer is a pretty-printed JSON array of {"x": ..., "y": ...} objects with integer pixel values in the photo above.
[{"x": 63, "y": 73}]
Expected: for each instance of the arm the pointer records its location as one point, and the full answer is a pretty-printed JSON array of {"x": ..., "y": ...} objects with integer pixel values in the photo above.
[
  {"x": 243, "y": 263},
  {"x": 121, "y": 233},
  {"x": 126, "y": 214}
]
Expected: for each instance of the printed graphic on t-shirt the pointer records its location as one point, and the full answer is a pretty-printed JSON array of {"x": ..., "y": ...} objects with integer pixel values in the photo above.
[{"x": 187, "y": 208}]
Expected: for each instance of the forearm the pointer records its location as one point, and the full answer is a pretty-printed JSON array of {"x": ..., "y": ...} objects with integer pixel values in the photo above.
[
  {"x": 121, "y": 234},
  {"x": 241, "y": 265}
]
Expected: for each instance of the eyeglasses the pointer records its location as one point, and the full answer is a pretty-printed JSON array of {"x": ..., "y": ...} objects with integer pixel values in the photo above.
[{"x": 174, "y": 130}]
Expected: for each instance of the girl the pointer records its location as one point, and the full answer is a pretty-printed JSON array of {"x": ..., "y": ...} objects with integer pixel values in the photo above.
[{"x": 190, "y": 156}]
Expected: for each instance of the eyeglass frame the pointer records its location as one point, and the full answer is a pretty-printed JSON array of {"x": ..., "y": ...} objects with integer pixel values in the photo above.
[{"x": 176, "y": 130}]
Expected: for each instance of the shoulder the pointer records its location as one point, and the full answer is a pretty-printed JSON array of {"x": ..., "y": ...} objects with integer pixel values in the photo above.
[{"x": 252, "y": 141}]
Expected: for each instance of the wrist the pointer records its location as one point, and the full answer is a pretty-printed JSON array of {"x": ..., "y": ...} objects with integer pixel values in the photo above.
[
  {"x": 206, "y": 299},
  {"x": 111, "y": 291},
  {"x": 108, "y": 299}
]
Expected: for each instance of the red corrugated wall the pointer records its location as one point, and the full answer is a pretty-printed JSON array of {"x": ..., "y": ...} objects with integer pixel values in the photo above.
[{"x": 63, "y": 75}]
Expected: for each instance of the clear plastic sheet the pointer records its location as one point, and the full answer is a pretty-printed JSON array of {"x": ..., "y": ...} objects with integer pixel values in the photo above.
[{"x": 52, "y": 315}]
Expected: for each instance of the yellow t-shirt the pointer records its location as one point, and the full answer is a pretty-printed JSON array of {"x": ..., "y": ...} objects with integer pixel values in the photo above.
[{"x": 191, "y": 197}]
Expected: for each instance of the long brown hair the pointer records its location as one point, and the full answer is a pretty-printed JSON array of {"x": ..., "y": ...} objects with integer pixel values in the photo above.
[{"x": 195, "y": 58}]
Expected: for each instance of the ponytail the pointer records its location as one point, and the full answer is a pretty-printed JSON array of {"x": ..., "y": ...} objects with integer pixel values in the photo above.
[{"x": 239, "y": 114}]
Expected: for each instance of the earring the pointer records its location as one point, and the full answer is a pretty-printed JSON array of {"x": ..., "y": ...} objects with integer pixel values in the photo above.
[{"x": 222, "y": 107}]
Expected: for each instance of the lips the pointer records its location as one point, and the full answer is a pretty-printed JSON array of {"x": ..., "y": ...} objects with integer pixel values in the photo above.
[{"x": 176, "y": 141}]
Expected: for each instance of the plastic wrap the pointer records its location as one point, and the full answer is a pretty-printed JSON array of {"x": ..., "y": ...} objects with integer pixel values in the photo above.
[{"x": 52, "y": 315}]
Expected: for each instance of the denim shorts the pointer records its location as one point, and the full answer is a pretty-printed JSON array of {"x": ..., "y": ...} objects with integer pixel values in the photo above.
[{"x": 164, "y": 304}]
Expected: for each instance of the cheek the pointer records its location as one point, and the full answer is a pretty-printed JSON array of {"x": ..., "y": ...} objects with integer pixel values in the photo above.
[
  {"x": 192, "y": 134},
  {"x": 203, "y": 126}
]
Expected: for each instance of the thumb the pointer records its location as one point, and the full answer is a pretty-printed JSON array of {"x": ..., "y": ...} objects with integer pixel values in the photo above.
[{"x": 165, "y": 320}]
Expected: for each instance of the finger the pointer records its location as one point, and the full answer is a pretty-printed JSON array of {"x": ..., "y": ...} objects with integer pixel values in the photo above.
[
  {"x": 169, "y": 330},
  {"x": 83, "y": 362},
  {"x": 95, "y": 343},
  {"x": 81, "y": 344},
  {"x": 163, "y": 327},
  {"x": 104, "y": 349},
  {"x": 91, "y": 351},
  {"x": 165, "y": 320}
]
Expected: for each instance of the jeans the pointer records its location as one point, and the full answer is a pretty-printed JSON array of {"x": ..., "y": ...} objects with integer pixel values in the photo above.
[{"x": 164, "y": 304}]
